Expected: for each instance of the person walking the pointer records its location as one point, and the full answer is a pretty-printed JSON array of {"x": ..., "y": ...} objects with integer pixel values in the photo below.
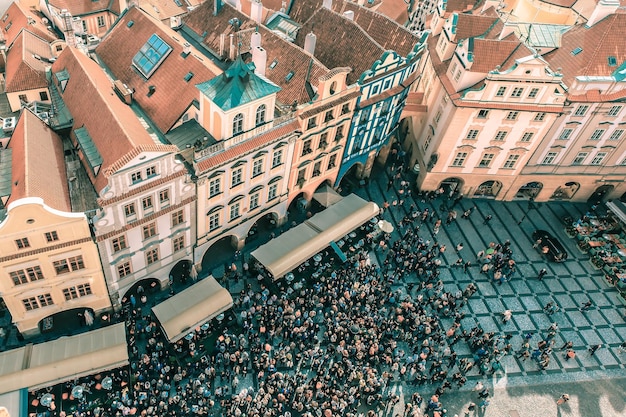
[
  {"x": 593, "y": 349},
  {"x": 586, "y": 306},
  {"x": 506, "y": 316},
  {"x": 567, "y": 345},
  {"x": 487, "y": 219},
  {"x": 562, "y": 399},
  {"x": 622, "y": 348},
  {"x": 542, "y": 273}
]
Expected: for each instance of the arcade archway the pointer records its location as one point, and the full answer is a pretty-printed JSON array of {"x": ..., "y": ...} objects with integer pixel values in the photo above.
[
  {"x": 488, "y": 189},
  {"x": 351, "y": 179},
  {"x": 263, "y": 226},
  {"x": 142, "y": 287},
  {"x": 67, "y": 321},
  {"x": 219, "y": 256},
  {"x": 181, "y": 272},
  {"x": 529, "y": 190},
  {"x": 565, "y": 192},
  {"x": 600, "y": 194},
  {"x": 451, "y": 185}
]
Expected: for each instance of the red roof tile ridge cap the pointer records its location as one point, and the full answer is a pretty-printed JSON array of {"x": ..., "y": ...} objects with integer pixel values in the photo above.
[{"x": 354, "y": 23}]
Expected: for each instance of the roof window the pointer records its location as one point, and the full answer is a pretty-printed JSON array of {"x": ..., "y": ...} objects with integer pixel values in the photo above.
[
  {"x": 577, "y": 51},
  {"x": 151, "y": 55}
]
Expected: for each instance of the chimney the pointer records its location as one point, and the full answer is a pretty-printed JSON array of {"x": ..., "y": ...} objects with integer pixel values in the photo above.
[
  {"x": 256, "y": 11},
  {"x": 232, "y": 51},
  {"x": 327, "y": 4},
  {"x": 349, "y": 15},
  {"x": 259, "y": 57},
  {"x": 68, "y": 29},
  {"x": 217, "y": 5},
  {"x": 186, "y": 48},
  {"x": 309, "y": 43},
  {"x": 255, "y": 40}
]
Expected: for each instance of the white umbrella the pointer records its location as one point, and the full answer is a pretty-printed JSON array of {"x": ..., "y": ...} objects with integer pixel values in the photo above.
[
  {"x": 194, "y": 272},
  {"x": 385, "y": 226},
  {"x": 88, "y": 318}
]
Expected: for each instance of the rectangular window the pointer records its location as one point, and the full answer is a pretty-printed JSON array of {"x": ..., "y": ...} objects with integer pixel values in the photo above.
[
  {"x": 118, "y": 243},
  {"x": 52, "y": 236},
  {"x": 76, "y": 262},
  {"x": 317, "y": 169},
  {"x": 215, "y": 187},
  {"x": 178, "y": 217},
  {"x": 61, "y": 267},
  {"x": 306, "y": 147},
  {"x": 580, "y": 158},
  {"x": 149, "y": 230},
  {"x": 123, "y": 269},
  {"x": 486, "y": 160},
  {"x": 527, "y": 136},
  {"x": 100, "y": 21},
  {"x": 179, "y": 243},
  {"x": 539, "y": 117},
  {"x": 426, "y": 144},
  {"x": 257, "y": 167},
  {"x": 301, "y": 176},
  {"x": 22, "y": 243},
  {"x": 459, "y": 159},
  {"x": 23, "y": 98},
  {"x": 511, "y": 161},
  {"x": 332, "y": 161},
  {"x": 328, "y": 116},
  {"x": 152, "y": 255},
  {"x": 457, "y": 75},
  {"x": 214, "y": 221},
  {"x": 614, "y": 111},
  {"x": 323, "y": 140},
  {"x": 34, "y": 273},
  {"x": 597, "y": 134},
  {"x": 597, "y": 160},
  {"x": 129, "y": 210},
  {"x": 455, "y": 65},
  {"x": 533, "y": 93},
  {"x": 236, "y": 178},
  {"x": 617, "y": 134},
  {"x": 339, "y": 133},
  {"x": 311, "y": 123},
  {"x": 234, "y": 211},
  {"x": 500, "y": 135},
  {"x": 84, "y": 289},
  {"x": 512, "y": 115},
  {"x": 43, "y": 95},
  {"x": 482, "y": 114},
  {"x": 150, "y": 172},
  {"x": 254, "y": 201},
  {"x": 345, "y": 109},
  {"x": 501, "y": 91},
  {"x": 45, "y": 300},
  {"x": 472, "y": 134},
  {"x": 151, "y": 54},
  {"x": 30, "y": 303},
  {"x": 135, "y": 177},
  {"x": 277, "y": 158},
  {"x": 146, "y": 203},
  {"x": 18, "y": 277},
  {"x": 272, "y": 192},
  {"x": 517, "y": 92},
  {"x": 23, "y": 277},
  {"x": 565, "y": 134},
  {"x": 549, "y": 158},
  {"x": 581, "y": 110},
  {"x": 164, "y": 196},
  {"x": 70, "y": 293}
]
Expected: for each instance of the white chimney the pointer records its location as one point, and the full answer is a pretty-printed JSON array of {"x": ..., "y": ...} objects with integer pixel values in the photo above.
[
  {"x": 259, "y": 57},
  {"x": 255, "y": 40},
  {"x": 328, "y": 4},
  {"x": 603, "y": 9},
  {"x": 186, "y": 48},
  {"x": 309, "y": 43},
  {"x": 349, "y": 15},
  {"x": 231, "y": 52},
  {"x": 256, "y": 11}
]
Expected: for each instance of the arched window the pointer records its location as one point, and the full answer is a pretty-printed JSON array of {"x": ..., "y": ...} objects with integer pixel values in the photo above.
[
  {"x": 238, "y": 124},
  {"x": 260, "y": 115}
]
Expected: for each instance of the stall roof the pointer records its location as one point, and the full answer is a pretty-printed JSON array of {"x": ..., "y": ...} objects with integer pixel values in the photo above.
[
  {"x": 192, "y": 307},
  {"x": 619, "y": 209},
  {"x": 289, "y": 250},
  {"x": 64, "y": 359}
]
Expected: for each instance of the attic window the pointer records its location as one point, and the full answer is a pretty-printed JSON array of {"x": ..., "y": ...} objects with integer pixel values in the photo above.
[
  {"x": 130, "y": 23},
  {"x": 6, "y": 16},
  {"x": 151, "y": 90},
  {"x": 189, "y": 76},
  {"x": 577, "y": 51},
  {"x": 289, "y": 76},
  {"x": 178, "y": 3},
  {"x": 273, "y": 64},
  {"x": 612, "y": 61},
  {"x": 151, "y": 55}
]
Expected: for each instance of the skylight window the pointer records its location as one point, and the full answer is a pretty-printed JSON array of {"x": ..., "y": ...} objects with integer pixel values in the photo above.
[
  {"x": 289, "y": 76},
  {"x": 273, "y": 64},
  {"x": 151, "y": 55},
  {"x": 612, "y": 61},
  {"x": 577, "y": 51},
  {"x": 189, "y": 76}
]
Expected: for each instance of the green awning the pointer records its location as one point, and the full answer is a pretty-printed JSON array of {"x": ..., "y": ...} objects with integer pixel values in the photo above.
[
  {"x": 85, "y": 143},
  {"x": 6, "y": 178}
]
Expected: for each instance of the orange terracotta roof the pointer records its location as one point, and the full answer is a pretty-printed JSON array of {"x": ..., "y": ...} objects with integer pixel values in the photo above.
[
  {"x": 162, "y": 9},
  {"x": 246, "y": 147},
  {"x": 38, "y": 163},
  {"x": 336, "y": 38},
  {"x": 112, "y": 125},
  {"x": 82, "y": 7},
  {"x": 25, "y": 69},
  {"x": 18, "y": 17},
  {"x": 462, "y": 5},
  {"x": 490, "y": 53},
  {"x": 172, "y": 94},
  {"x": 594, "y": 96},
  {"x": 288, "y": 56},
  {"x": 597, "y": 44},
  {"x": 469, "y": 25},
  {"x": 561, "y": 3},
  {"x": 396, "y": 10}
]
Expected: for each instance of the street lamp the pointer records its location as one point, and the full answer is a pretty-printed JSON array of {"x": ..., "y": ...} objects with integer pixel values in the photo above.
[{"x": 531, "y": 205}]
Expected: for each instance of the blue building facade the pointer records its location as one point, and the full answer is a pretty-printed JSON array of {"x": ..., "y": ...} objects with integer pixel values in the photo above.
[{"x": 384, "y": 88}]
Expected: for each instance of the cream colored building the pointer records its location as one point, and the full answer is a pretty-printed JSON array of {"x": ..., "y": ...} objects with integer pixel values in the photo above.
[{"x": 49, "y": 261}]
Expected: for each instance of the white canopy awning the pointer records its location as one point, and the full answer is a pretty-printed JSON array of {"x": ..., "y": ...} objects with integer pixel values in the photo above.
[
  {"x": 619, "y": 209},
  {"x": 289, "y": 250},
  {"x": 192, "y": 307},
  {"x": 64, "y": 359},
  {"x": 326, "y": 196}
]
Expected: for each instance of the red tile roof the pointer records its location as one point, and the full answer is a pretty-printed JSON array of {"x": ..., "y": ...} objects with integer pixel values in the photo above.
[
  {"x": 289, "y": 57},
  {"x": 82, "y": 7},
  {"x": 162, "y": 9},
  {"x": 247, "y": 147},
  {"x": 461, "y": 5},
  {"x": 489, "y": 53},
  {"x": 469, "y": 25},
  {"x": 18, "y": 17},
  {"x": 38, "y": 163},
  {"x": 173, "y": 95},
  {"x": 598, "y": 43},
  {"x": 25, "y": 68},
  {"x": 396, "y": 10},
  {"x": 113, "y": 126}
]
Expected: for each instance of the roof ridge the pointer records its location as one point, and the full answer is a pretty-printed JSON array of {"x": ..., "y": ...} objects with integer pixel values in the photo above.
[
  {"x": 381, "y": 15},
  {"x": 599, "y": 44},
  {"x": 359, "y": 27},
  {"x": 124, "y": 159}
]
